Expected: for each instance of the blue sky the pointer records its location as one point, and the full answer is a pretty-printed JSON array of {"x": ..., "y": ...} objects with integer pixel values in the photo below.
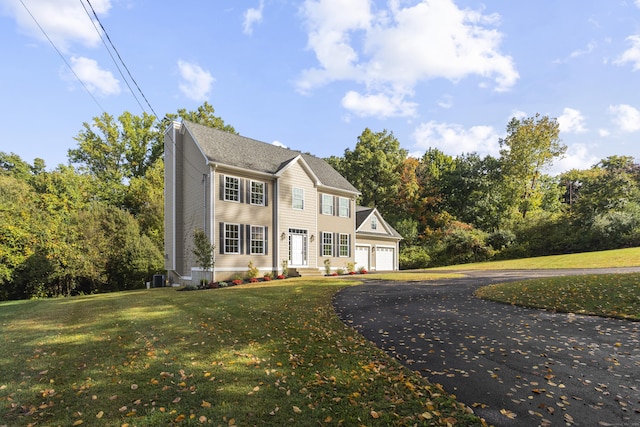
[{"x": 312, "y": 75}]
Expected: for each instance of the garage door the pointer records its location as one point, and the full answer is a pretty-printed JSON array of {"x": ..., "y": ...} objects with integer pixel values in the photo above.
[
  {"x": 384, "y": 259},
  {"x": 362, "y": 257}
]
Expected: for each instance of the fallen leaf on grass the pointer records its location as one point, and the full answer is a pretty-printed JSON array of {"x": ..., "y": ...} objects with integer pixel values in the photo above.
[
  {"x": 206, "y": 404},
  {"x": 297, "y": 410},
  {"x": 100, "y": 414},
  {"x": 374, "y": 414}
]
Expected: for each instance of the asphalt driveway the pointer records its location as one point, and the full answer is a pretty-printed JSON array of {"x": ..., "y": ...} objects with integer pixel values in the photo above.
[{"x": 513, "y": 366}]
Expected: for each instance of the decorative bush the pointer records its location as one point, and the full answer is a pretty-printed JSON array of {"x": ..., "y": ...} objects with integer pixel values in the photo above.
[
  {"x": 362, "y": 270},
  {"x": 281, "y": 276},
  {"x": 253, "y": 272},
  {"x": 327, "y": 266},
  {"x": 267, "y": 278},
  {"x": 237, "y": 282},
  {"x": 254, "y": 280}
]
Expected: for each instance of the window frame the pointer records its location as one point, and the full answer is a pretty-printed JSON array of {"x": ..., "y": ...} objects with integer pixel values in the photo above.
[
  {"x": 346, "y": 246},
  {"x": 229, "y": 191},
  {"x": 346, "y": 207},
  {"x": 374, "y": 223},
  {"x": 327, "y": 243},
  {"x": 327, "y": 204},
  {"x": 300, "y": 199},
  {"x": 228, "y": 240},
  {"x": 253, "y": 241},
  {"x": 253, "y": 193}
]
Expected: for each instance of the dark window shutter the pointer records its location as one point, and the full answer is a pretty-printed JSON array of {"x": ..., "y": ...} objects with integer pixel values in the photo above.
[
  {"x": 336, "y": 206},
  {"x": 222, "y": 237},
  {"x": 320, "y": 203},
  {"x": 241, "y": 190},
  {"x": 266, "y": 240},
  {"x": 240, "y": 239},
  {"x": 248, "y": 238},
  {"x": 222, "y": 179},
  {"x": 266, "y": 194},
  {"x": 336, "y": 244}
]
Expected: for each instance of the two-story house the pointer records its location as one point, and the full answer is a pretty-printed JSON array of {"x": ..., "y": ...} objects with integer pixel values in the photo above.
[{"x": 263, "y": 204}]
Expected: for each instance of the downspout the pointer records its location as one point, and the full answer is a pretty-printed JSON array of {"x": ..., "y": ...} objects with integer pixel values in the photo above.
[
  {"x": 276, "y": 226},
  {"x": 212, "y": 222}
]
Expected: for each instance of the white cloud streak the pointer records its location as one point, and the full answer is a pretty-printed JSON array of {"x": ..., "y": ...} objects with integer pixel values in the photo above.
[
  {"x": 252, "y": 16},
  {"x": 571, "y": 121},
  {"x": 631, "y": 55},
  {"x": 392, "y": 50},
  {"x": 195, "y": 83},
  {"x": 454, "y": 139},
  {"x": 625, "y": 117},
  {"x": 98, "y": 81},
  {"x": 64, "y": 21}
]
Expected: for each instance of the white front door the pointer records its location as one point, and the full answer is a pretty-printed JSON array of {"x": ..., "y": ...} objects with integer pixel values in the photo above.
[{"x": 297, "y": 249}]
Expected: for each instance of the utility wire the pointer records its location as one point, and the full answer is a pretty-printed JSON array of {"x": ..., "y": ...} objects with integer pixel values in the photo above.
[
  {"x": 62, "y": 56},
  {"x": 110, "y": 54},
  {"x": 120, "y": 58}
]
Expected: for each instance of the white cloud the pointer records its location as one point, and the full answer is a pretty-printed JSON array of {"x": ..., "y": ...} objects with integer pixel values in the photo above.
[
  {"x": 64, "y": 21},
  {"x": 576, "y": 157},
  {"x": 195, "y": 82},
  {"x": 604, "y": 132},
  {"x": 446, "y": 102},
  {"x": 626, "y": 117},
  {"x": 279, "y": 144},
  {"x": 98, "y": 81},
  {"x": 252, "y": 16},
  {"x": 454, "y": 139},
  {"x": 378, "y": 105},
  {"x": 571, "y": 121},
  {"x": 637, "y": 2},
  {"x": 391, "y": 50},
  {"x": 632, "y": 54}
]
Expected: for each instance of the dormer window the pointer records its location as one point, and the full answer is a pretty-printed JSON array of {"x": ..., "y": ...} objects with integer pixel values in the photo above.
[{"x": 374, "y": 223}]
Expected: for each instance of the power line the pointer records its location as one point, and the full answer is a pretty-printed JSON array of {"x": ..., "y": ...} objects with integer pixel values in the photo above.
[
  {"x": 120, "y": 58},
  {"x": 110, "y": 54},
  {"x": 62, "y": 56}
]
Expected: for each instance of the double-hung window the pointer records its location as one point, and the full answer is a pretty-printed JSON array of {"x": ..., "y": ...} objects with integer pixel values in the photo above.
[
  {"x": 343, "y": 207},
  {"x": 231, "y": 189},
  {"x": 327, "y": 244},
  {"x": 257, "y": 193},
  {"x": 231, "y": 238},
  {"x": 257, "y": 240},
  {"x": 344, "y": 246},
  {"x": 298, "y": 198},
  {"x": 327, "y": 204}
]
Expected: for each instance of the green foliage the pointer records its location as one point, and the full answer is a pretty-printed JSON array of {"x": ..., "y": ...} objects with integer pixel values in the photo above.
[
  {"x": 462, "y": 244},
  {"x": 374, "y": 168},
  {"x": 531, "y": 145},
  {"x": 203, "y": 250},
  {"x": 413, "y": 257},
  {"x": 253, "y": 271},
  {"x": 327, "y": 266}
]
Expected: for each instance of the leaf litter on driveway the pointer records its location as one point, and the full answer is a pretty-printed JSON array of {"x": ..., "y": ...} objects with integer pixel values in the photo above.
[{"x": 513, "y": 366}]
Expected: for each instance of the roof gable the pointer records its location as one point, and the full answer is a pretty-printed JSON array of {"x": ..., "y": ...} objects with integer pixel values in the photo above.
[
  {"x": 364, "y": 213},
  {"x": 225, "y": 148}
]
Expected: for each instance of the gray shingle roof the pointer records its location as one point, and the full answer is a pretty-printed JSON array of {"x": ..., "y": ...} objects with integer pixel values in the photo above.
[{"x": 234, "y": 150}]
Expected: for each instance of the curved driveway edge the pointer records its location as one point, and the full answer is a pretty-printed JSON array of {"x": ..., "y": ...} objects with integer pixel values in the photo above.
[{"x": 511, "y": 365}]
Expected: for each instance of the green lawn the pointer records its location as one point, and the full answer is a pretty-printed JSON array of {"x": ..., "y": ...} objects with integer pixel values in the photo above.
[
  {"x": 615, "y": 295},
  {"x": 614, "y": 258},
  {"x": 274, "y": 354}
]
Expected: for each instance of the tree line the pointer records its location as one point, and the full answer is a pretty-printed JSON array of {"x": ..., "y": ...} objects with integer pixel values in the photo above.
[
  {"x": 467, "y": 208},
  {"x": 96, "y": 224}
]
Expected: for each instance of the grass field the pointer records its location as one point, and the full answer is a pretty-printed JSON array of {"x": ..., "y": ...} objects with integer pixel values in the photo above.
[
  {"x": 615, "y": 258},
  {"x": 266, "y": 355}
]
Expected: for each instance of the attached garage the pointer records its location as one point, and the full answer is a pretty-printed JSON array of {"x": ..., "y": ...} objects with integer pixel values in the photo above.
[
  {"x": 362, "y": 257},
  {"x": 377, "y": 244},
  {"x": 385, "y": 258}
]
